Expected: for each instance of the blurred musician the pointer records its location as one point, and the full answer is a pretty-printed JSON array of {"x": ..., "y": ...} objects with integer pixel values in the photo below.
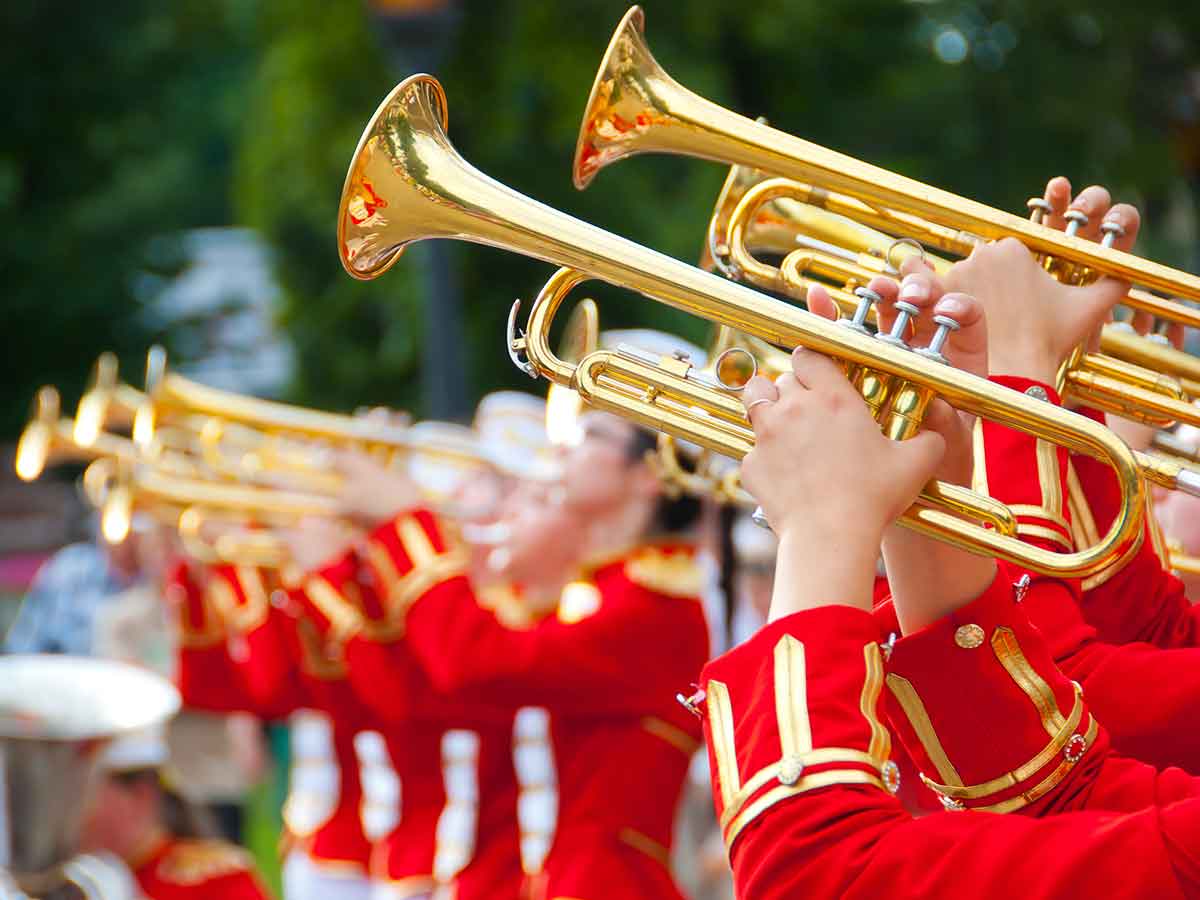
[
  {"x": 137, "y": 815},
  {"x": 57, "y": 714},
  {"x": 624, "y": 635}
]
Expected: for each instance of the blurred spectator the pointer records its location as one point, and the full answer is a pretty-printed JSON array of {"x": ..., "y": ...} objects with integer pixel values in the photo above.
[
  {"x": 139, "y": 815},
  {"x": 71, "y": 588}
]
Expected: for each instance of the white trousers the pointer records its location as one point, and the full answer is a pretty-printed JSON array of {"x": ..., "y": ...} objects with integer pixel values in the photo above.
[{"x": 306, "y": 879}]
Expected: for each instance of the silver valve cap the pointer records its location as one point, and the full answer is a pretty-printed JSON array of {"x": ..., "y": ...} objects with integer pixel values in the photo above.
[
  {"x": 1075, "y": 221},
  {"x": 1111, "y": 231},
  {"x": 905, "y": 313},
  {"x": 945, "y": 325}
]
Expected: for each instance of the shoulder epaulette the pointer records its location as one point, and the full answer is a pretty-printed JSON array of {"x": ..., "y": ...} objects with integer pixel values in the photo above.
[
  {"x": 675, "y": 573},
  {"x": 198, "y": 861}
]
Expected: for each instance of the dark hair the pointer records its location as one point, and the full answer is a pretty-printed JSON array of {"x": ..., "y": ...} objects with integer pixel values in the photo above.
[
  {"x": 181, "y": 817},
  {"x": 673, "y": 514}
]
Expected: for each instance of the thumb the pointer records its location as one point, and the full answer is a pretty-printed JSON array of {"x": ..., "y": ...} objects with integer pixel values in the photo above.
[
  {"x": 916, "y": 461},
  {"x": 1093, "y": 303}
]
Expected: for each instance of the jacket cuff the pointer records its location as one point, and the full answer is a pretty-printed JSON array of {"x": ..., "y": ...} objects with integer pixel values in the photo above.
[
  {"x": 795, "y": 709},
  {"x": 985, "y": 670},
  {"x": 1024, "y": 472},
  {"x": 240, "y": 596},
  {"x": 408, "y": 556},
  {"x": 200, "y": 624}
]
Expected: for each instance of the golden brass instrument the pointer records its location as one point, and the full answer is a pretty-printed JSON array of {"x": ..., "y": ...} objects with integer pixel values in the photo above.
[
  {"x": 48, "y": 439},
  {"x": 733, "y": 359},
  {"x": 105, "y": 402},
  {"x": 406, "y": 183},
  {"x": 758, "y": 213},
  {"x": 117, "y": 490},
  {"x": 171, "y": 394},
  {"x": 636, "y": 107}
]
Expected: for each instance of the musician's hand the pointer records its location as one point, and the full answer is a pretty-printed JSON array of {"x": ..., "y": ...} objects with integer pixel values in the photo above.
[
  {"x": 315, "y": 542},
  {"x": 965, "y": 349},
  {"x": 828, "y": 480},
  {"x": 1034, "y": 321},
  {"x": 373, "y": 493}
]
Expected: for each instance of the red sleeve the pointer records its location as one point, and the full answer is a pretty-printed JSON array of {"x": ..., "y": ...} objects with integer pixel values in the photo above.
[
  {"x": 985, "y": 670},
  {"x": 1142, "y": 601},
  {"x": 1143, "y": 696},
  {"x": 798, "y": 755},
  {"x": 620, "y": 642},
  {"x": 207, "y": 677},
  {"x": 261, "y": 640},
  {"x": 342, "y": 602}
]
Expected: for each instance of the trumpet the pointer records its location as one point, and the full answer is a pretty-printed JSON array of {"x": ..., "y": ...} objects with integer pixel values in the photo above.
[
  {"x": 1132, "y": 376},
  {"x": 168, "y": 393},
  {"x": 635, "y": 107},
  {"x": 117, "y": 489},
  {"x": 106, "y": 400},
  {"x": 49, "y": 439},
  {"x": 406, "y": 183}
]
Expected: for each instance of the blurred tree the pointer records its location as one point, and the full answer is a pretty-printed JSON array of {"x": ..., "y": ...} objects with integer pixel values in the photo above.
[
  {"x": 987, "y": 98},
  {"x": 117, "y": 136}
]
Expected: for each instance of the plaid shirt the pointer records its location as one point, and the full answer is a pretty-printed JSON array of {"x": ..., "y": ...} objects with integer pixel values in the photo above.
[{"x": 58, "y": 614}]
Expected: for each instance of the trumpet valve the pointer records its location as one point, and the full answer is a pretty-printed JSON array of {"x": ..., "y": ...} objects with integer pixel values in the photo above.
[
  {"x": 905, "y": 313},
  {"x": 907, "y": 411},
  {"x": 1075, "y": 220},
  {"x": 945, "y": 325},
  {"x": 1111, "y": 230},
  {"x": 1038, "y": 208},
  {"x": 867, "y": 299}
]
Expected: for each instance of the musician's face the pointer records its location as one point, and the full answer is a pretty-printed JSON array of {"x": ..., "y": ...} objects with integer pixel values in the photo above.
[
  {"x": 598, "y": 472},
  {"x": 120, "y": 816},
  {"x": 542, "y": 539}
]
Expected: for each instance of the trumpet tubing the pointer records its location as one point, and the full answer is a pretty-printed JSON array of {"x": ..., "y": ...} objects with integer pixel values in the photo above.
[
  {"x": 406, "y": 182},
  {"x": 1135, "y": 377}
]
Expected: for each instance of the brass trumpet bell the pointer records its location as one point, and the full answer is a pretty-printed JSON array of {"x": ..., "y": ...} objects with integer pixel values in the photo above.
[{"x": 636, "y": 107}]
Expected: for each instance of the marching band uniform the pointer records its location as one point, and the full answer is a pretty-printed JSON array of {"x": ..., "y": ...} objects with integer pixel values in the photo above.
[
  {"x": 1143, "y": 601},
  {"x": 270, "y": 663},
  {"x": 186, "y": 869},
  {"x": 455, "y": 822},
  {"x": 799, "y": 753},
  {"x": 601, "y": 669},
  {"x": 1148, "y": 698}
]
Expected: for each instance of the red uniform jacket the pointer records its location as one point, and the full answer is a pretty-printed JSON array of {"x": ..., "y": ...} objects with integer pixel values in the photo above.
[
  {"x": 798, "y": 750},
  {"x": 1143, "y": 601},
  {"x": 454, "y": 822},
  {"x": 605, "y": 669},
  {"x": 243, "y": 648},
  {"x": 175, "y": 869},
  {"x": 1147, "y": 697}
]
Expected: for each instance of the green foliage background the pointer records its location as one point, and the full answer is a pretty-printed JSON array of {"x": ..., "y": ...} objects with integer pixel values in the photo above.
[{"x": 129, "y": 122}]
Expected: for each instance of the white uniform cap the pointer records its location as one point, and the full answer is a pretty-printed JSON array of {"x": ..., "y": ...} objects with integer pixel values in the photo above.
[
  {"x": 511, "y": 426},
  {"x": 73, "y": 698},
  {"x": 444, "y": 455},
  {"x": 753, "y": 543},
  {"x": 145, "y": 748}
]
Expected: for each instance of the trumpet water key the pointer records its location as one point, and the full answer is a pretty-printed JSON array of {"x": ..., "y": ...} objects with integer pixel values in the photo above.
[{"x": 406, "y": 183}]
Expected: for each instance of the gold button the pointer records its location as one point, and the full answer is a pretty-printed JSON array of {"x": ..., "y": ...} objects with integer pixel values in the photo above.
[
  {"x": 891, "y": 777},
  {"x": 968, "y": 636}
]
